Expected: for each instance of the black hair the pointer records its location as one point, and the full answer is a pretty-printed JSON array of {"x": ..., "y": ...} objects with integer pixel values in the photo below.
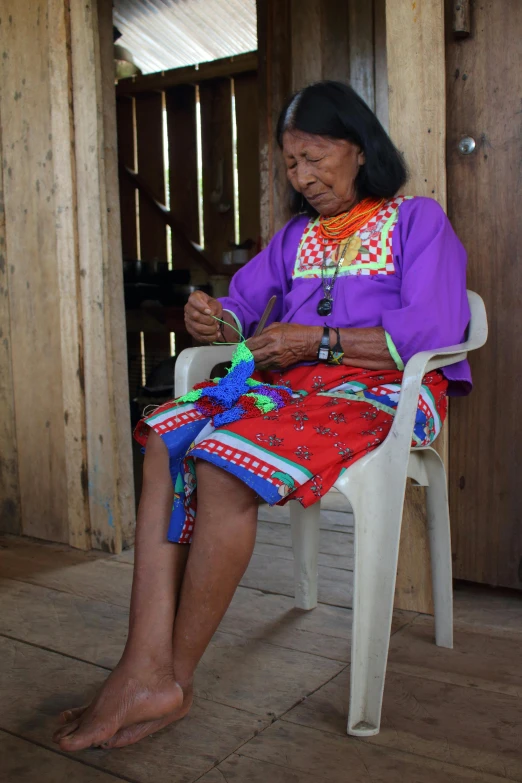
[{"x": 334, "y": 109}]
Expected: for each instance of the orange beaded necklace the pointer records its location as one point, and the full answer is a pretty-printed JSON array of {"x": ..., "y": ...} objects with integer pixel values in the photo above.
[{"x": 347, "y": 224}]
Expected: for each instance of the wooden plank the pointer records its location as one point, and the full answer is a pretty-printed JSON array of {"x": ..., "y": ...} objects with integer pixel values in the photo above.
[
  {"x": 415, "y": 53},
  {"x": 227, "y": 66},
  {"x": 415, "y": 56},
  {"x": 126, "y": 156},
  {"x": 10, "y": 513},
  {"x": 71, "y": 337},
  {"x": 270, "y": 575},
  {"x": 492, "y": 610},
  {"x": 157, "y": 349},
  {"x": 273, "y": 35},
  {"x": 484, "y": 190},
  {"x": 116, "y": 335},
  {"x": 218, "y": 178},
  {"x": 246, "y": 94},
  {"x": 335, "y": 41},
  {"x": 360, "y": 37},
  {"x": 30, "y": 252},
  {"x": 307, "y": 61},
  {"x": 380, "y": 62},
  {"x": 183, "y": 167},
  {"x": 38, "y": 684},
  {"x": 339, "y": 521},
  {"x": 285, "y": 752},
  {"x": 488, "y": 661},
  {"x": 331, "y": 543},
  {"x": 109, "y": 484},
  {"x": 97, "y": 580},
  {"x": 447, "y": 723},
  {"x": 149, "y": 133},
  {"x": 169, "y": 219},
  {"x": 22, "y": 759},
  {"x": 249, "y": 674}
]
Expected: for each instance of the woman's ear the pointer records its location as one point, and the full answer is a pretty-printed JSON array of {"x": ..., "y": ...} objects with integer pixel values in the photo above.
[{"x": 361, "y": 158}]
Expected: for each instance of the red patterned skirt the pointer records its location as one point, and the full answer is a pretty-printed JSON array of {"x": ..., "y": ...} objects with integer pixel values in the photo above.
[{"x": 300, "y": 450}]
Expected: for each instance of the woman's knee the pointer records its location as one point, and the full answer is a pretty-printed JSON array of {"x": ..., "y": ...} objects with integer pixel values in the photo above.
[{"x": 223, "y": 486}]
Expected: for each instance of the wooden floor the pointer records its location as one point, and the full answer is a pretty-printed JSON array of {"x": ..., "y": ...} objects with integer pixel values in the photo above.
[{"x": 272, "y": 689}]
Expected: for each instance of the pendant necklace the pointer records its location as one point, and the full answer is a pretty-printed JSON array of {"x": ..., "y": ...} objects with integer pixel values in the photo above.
[{"x": 325, "y": 305}]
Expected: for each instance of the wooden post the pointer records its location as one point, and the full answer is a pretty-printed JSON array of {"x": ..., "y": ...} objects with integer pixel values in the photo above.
[
  {"x": 9, "y": 483},
  {"x": 417, "y": 121},
  {"x": 63, "y": 313},
  {"x": 102, "y": 304}
]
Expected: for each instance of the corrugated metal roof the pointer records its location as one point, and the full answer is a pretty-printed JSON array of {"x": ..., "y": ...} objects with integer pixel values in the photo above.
[{"x": 164, "y": 34}]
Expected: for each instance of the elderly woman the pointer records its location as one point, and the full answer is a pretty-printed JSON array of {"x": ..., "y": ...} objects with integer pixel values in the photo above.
[{"x": 363, "y": 279}]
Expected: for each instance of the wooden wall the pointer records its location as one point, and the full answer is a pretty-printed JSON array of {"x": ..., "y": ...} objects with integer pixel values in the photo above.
[
  {"x": 65, "y": 440},
  {"x": 416, "y": 84},
  {"x": 484, "y": 88},
  {"x": 304, "y": 41}
]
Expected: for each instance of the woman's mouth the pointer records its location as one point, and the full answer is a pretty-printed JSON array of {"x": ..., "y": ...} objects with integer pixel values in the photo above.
[{"x": 315, "y": 197}]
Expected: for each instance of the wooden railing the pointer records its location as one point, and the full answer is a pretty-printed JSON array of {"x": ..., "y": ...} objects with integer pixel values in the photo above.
[
  {"x": 142, "y": 105},
  {"x": 145, "y": 105}
]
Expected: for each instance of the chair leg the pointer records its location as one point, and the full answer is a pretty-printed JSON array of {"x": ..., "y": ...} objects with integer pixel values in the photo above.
[
  {"x": 440, "y": 547},
  {"x": 377, "y": 508},
  {"x": 305, "y": 543}
]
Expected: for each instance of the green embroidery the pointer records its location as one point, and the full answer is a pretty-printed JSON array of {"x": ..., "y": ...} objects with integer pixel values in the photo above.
[
  {"x": 359, "y": 263},
  {"x": 394, "y": 353}
]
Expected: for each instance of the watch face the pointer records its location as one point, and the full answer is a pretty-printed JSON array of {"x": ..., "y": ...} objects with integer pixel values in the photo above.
[{"x": 323, "y": 354}]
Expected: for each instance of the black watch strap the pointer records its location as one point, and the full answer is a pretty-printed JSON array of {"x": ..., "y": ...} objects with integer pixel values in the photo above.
[{"x": 324, "y": 346}]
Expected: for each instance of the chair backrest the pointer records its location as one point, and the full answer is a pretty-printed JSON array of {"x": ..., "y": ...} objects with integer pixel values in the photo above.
[{"x": 478, "y": 325}]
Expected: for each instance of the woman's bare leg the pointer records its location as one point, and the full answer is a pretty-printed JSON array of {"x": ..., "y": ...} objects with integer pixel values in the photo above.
[
  {"x": 143, "y": 685},
  {"x": 224, "y": 537}
]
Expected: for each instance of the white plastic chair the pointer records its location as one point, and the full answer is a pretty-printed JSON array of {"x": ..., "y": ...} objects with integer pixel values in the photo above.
[{"x": 375, "y": 486}]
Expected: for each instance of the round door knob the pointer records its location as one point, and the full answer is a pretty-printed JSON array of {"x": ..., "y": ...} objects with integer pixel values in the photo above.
[{"x": 466, "y": 145}]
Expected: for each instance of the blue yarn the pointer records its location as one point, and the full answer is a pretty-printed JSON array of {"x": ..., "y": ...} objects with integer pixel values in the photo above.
[
  {"x": 233, "y": 385},
  {"x": 227, "y": 417}
]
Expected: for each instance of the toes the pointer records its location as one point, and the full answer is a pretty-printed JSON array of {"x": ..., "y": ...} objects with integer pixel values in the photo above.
[
  {"x": 65, "y": 730},
  {"x": 69, "y": 715},
  {"x": 87, "y": 734}
]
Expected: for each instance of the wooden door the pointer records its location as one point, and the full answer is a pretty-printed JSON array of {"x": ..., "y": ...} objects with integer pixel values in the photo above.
[{"x": 484, "y": 92}]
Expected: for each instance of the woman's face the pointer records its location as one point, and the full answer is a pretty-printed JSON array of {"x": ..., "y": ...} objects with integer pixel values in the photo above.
[{"x": 323, "y": 170}]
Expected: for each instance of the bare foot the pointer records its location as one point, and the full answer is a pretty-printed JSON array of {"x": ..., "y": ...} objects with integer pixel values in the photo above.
[
  {"x": 129, "y": 696},
  {"x": 137, "y": 732}
]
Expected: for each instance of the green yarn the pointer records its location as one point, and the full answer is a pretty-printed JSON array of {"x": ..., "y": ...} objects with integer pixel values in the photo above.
[
  {"x": 262, "y": 401},
  {"x": 241, "y": 354},
  {"x": 252, "y": 382},
  {"x": 191, "y": 396}
]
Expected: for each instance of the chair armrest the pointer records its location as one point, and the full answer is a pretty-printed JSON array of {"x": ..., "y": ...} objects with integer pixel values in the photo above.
[
  {"x": 425, "y": 361},
  {"x": 194, "y": 365}
]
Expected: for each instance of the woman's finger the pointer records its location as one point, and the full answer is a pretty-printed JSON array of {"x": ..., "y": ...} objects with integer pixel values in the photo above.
[
  {"x": 261, "y": 341},
  {"x": 198, "y": 316},
  {"x": 198, "y": 329},
  {"x": 200, "y": 301},
  {"x": 205, "y": 304}
]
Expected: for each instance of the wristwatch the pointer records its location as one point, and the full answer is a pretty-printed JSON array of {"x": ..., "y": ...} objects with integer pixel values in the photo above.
[{"x": 324, "y": 346}]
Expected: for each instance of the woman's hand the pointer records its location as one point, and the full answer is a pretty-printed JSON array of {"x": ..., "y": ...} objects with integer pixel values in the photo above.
[
  {"x": 281, "y": 345},
  {"x": 198, "y": 317}
]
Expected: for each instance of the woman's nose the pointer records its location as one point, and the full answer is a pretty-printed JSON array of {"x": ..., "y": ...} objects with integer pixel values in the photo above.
[{"x": 305, "y": 175}]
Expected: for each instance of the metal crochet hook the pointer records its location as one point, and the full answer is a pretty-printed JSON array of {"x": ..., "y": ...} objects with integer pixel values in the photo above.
[{"x": 264, "y": 317}]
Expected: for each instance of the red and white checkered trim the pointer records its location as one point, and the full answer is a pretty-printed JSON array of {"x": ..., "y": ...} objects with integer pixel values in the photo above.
[
  {"x": 313, "y": 246},
  {"x": 237, "y": 457},
  {"x": 171, "y": 422}
]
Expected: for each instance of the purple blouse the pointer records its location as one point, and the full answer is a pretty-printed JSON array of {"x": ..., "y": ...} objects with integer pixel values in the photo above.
[{"x": 422, "y": 306}]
